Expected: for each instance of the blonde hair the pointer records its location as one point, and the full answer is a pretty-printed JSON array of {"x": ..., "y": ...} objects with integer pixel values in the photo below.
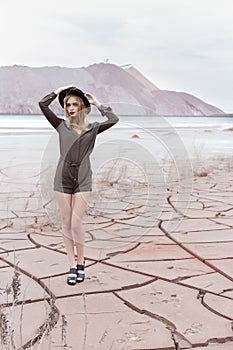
[{"x": 81, "y": 115}]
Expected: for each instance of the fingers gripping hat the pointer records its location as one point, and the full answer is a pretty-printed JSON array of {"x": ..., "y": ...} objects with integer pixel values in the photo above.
[{"x": 73, "y": 92}]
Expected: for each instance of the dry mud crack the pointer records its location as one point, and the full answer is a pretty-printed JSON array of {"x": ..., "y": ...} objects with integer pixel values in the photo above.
[{"x": 147, "y": 286}]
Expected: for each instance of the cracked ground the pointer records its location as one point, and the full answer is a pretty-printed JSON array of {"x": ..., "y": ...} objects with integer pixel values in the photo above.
[{"x": 158, "y": 273}]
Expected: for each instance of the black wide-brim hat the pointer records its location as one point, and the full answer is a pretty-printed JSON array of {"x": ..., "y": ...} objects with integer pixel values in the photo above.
[{"x": 74, "y": 92}]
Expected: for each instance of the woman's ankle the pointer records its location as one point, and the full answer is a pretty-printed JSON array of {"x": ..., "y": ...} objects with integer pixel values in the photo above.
[{"x": 80, "y": 261}]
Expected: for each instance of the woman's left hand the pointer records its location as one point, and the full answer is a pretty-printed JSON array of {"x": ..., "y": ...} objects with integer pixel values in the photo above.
[{"x": 91, "y": 98}]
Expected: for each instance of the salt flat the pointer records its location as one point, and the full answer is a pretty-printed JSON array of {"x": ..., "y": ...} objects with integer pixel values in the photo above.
[{"x": 158, "y": 253}]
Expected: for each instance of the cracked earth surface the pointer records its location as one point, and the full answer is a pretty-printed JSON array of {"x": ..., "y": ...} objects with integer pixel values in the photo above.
[{"x": 147, "y": 286}]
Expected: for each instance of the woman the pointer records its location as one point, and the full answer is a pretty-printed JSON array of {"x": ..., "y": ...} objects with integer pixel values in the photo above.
[{"x": 73, "y": 178}]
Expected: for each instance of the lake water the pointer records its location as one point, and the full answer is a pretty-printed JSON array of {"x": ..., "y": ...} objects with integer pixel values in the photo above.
[
  {"x": 161, "y": 136},
  {"x": 31, "y": 123}
]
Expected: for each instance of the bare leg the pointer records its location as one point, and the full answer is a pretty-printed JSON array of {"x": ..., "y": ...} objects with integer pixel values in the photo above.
[
  {"x": 64, "y": 201},
  {"x": 79, "y": 207}
]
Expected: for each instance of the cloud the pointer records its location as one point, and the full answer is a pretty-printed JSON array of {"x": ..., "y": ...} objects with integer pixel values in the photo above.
[{"x": 178, "y": 44}]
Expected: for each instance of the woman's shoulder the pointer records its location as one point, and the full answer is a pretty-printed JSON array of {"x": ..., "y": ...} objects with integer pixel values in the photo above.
[{"x": 62, "y": 124}]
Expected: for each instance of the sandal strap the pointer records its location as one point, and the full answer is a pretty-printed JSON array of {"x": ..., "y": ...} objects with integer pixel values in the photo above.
[
  {"x": 80, "y": 267},
  {"x": 72, "y": 276},
  {"x": 80, "y": 273}
]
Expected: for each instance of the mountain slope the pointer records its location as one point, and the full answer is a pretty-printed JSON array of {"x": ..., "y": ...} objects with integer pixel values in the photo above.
[
  {"x": 21, "y": 88},
  {"x": 139, "y": 76}
]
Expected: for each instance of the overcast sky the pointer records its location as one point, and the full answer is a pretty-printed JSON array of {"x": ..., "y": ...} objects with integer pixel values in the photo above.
[{"x": 181, "y": 45}]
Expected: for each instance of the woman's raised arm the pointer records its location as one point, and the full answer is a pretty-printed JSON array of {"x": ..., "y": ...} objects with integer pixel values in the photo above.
[{"x": 112, "y": 119}]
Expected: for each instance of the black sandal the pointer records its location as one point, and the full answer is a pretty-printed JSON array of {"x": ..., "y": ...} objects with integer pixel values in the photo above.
[
  {"x": 80, "y": 273},
  {"x": 72, "y": 276}
]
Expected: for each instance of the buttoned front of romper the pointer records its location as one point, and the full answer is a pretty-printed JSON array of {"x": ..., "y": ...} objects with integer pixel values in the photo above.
[{"x": 74, "y": 172}]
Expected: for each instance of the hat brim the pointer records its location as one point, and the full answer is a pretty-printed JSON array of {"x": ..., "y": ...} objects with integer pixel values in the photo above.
[{"x": 73, "y": 92}]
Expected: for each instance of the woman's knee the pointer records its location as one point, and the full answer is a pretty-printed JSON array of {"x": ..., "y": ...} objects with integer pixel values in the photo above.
[
  {"x": 76, "y": 223},
  {"x": 66, "y": 224}
]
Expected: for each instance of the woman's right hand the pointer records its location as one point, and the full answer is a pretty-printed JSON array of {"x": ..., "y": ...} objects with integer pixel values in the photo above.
[{"x": 57, "y": 91}]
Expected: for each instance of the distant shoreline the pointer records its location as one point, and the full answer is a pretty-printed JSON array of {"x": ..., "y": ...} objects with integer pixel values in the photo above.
[{"x": 225, "y": 115}]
